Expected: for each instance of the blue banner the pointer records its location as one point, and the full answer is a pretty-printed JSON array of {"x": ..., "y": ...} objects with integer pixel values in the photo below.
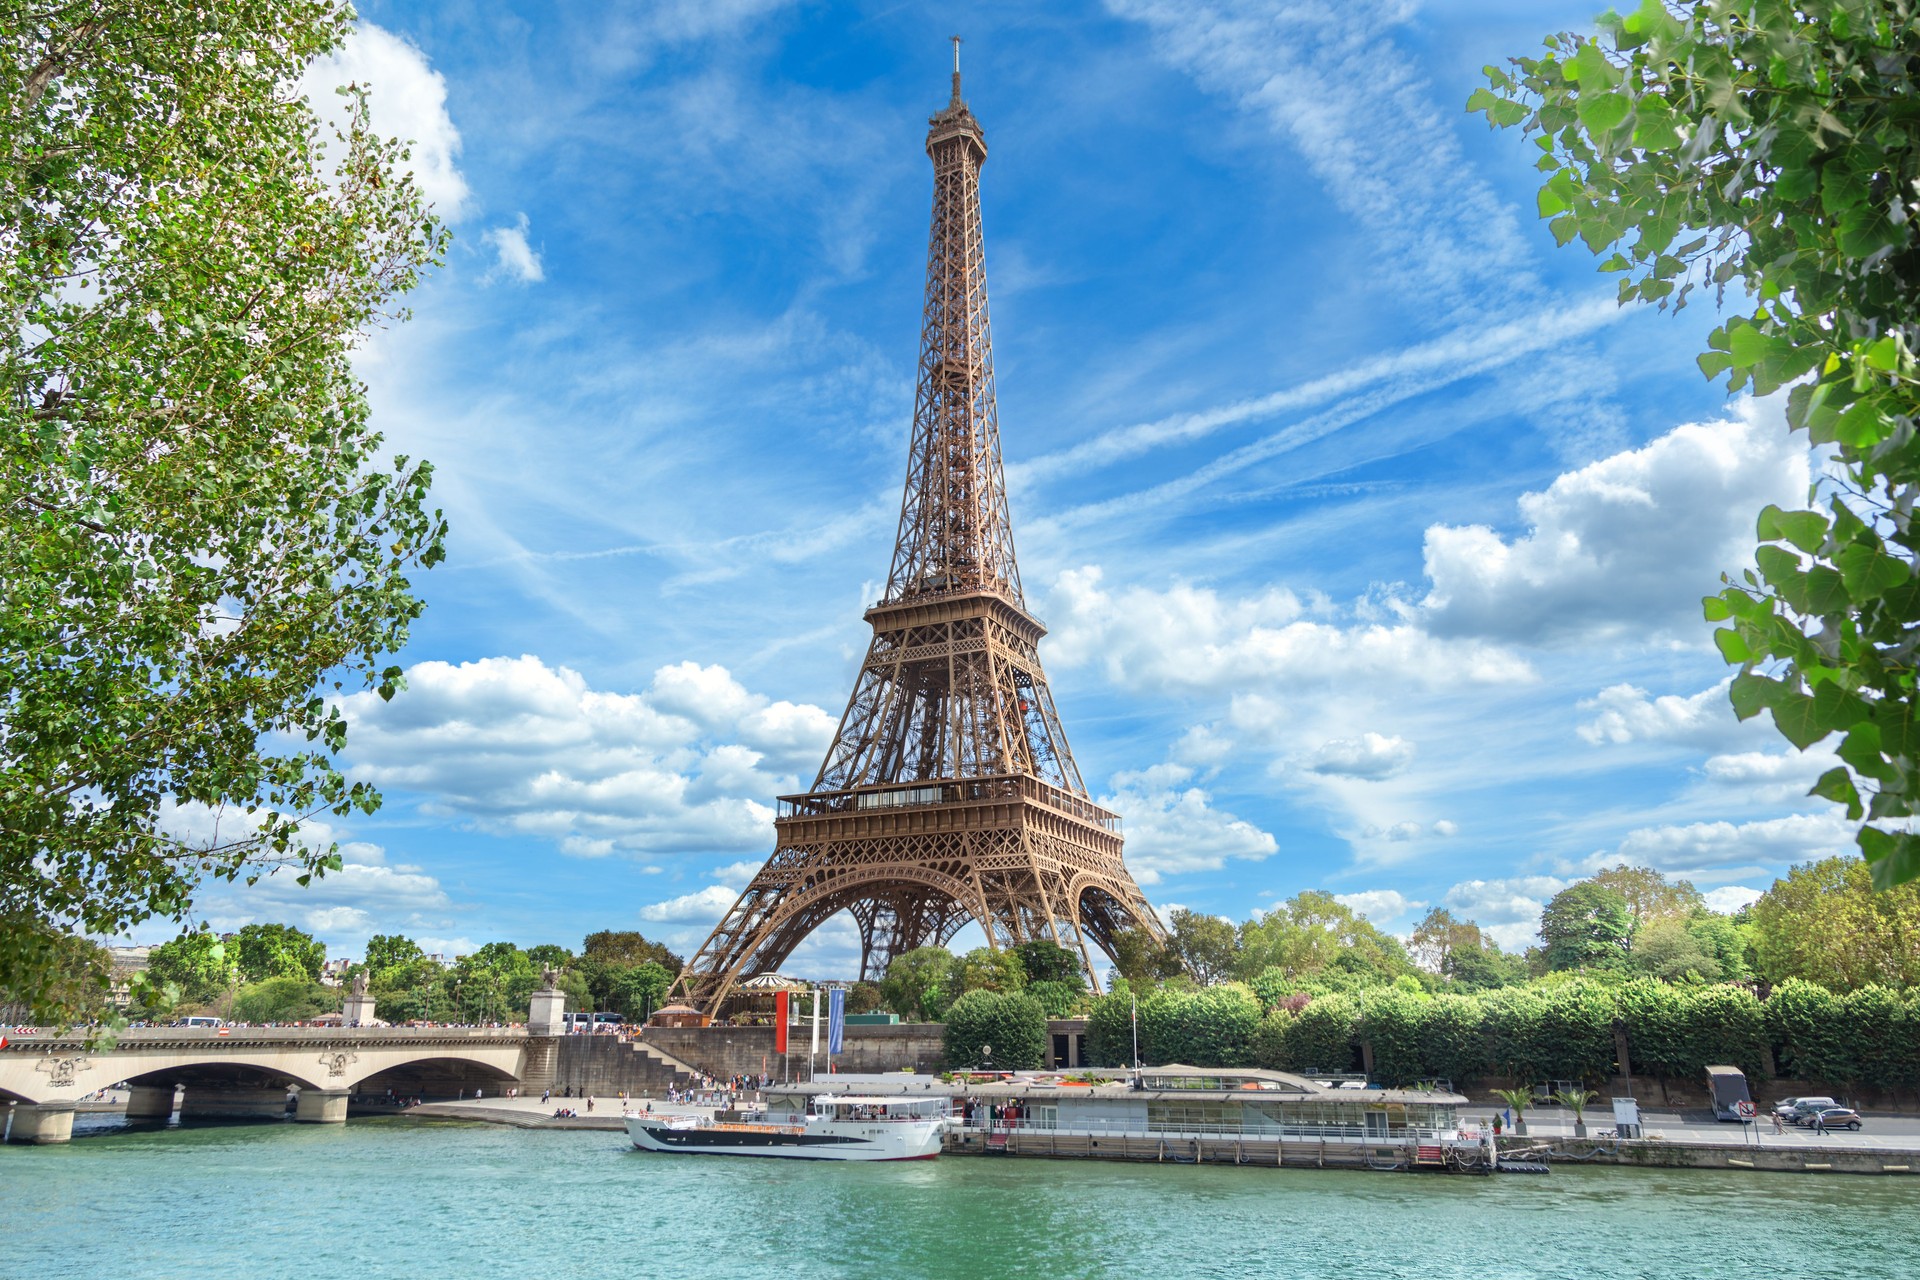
[{"x": 836, "y": 1020}]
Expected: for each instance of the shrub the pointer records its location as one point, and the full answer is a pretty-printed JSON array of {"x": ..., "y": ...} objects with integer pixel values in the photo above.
[{"x": 1013, "y": 1023}]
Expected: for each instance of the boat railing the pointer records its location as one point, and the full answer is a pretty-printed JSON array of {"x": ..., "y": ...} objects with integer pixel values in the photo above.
[{"x": 1185, "y": 1130}]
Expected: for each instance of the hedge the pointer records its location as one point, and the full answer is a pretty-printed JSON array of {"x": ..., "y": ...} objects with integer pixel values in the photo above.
[{"x": 1559, "y": 1029}]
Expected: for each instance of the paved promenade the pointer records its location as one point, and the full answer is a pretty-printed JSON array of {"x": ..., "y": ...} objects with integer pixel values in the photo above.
[{"x": 531, "y": 1113}]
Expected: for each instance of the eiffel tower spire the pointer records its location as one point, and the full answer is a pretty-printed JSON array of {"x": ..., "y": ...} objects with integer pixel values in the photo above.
[{"x": 949, "y": 792}]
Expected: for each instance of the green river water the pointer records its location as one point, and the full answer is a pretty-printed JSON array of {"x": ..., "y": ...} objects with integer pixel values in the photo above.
[{"x": 378, "y": 1198}]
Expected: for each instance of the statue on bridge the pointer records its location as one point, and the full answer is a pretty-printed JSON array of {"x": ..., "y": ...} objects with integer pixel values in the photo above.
[{"x": 360, "y": 983}]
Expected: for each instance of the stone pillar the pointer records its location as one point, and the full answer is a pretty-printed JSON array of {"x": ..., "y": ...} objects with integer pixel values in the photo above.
[
  {"x": 321, "y": 1106},
  {"x": 358, "y": 1010},
  {"x": 213, "y": 1102},
  {"x": 42, "y": 1122},
  {"x": 544, "y": 1014},
  {"x": 149, "y": 1102}
]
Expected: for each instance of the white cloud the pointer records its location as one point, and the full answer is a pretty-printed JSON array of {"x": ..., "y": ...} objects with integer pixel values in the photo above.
[
  {"x": 511, "y": 745},
  {"x": 515, "y": 258},
  {"x": 407, "y": 100},
  {"x": 737, "y": 874},
  {"x": 1172, "y": 828},
  {"x": 1628, "y": 544},
  {"x": 1190, "y": 638},
  {"x": 1379, "y": 905},
  {"x": 1371, "y": 756},
  {"x": 704, "y": 906},
  {"x": 1402, "y": 832},
  {"x": 1508, "y": 911},
  {"x": 1729, "y": 898},
  {"x": 1627, "y": 714},
  {"x": 1720, "y": 850}
]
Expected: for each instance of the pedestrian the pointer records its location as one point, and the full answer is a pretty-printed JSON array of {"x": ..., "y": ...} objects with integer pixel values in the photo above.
[
  {"x": 589, "y": 1102},
  {"x": 545, "y": 1096},
  {"x": 1779, "y": 1126},
  {"x": 1819, "y": 1122}
]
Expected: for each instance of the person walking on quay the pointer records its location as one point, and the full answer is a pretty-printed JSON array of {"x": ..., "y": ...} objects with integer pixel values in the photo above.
[
  {"x": 545, "y": 1095},
  {"x": 589, "y": 1102},
  {"x": 1779, "y": 1126}
]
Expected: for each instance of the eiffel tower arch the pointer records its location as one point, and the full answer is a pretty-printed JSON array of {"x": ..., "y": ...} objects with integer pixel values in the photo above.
[{"x": 949, "y": 793}]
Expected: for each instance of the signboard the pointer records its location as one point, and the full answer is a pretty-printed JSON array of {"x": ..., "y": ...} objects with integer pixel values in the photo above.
[
  {"x": 1626, "y": 1117},
  {"x": 1746, "y": 1110}
]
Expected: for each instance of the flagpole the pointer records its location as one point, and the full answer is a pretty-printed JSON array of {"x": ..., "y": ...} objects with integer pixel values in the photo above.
[{"x": 813, "y": 1049}]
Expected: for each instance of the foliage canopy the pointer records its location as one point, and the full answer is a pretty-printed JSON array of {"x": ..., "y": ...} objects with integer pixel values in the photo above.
[
  {"x": 1771, "y": 145},
  {"x": 200, "y": 543}
]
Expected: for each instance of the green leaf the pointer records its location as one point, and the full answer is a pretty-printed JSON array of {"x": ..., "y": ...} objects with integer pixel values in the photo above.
[
  {"x": 1751, "y": 694},
  {"x": 1714, "y": 609},
  {"x": 1653, "y": 125},
  {"x": 1732, "y": 647},
  {"x": 1794, "y": 716},
  {"x": 1508, "y": 113},
  {"x": 1713, "y": 363},
  {"x": 1837, "y": 785},
  {"x": 1806, "y": 530},
  {"x": 1863, "y": 425},
  {"x": 1590, "y": 68},
  {"x": 1603, "y": 113},
  {"x": 1777, "y": 565},
  {"x": 1869, "y": 570},
  {"x": 1892, "y": 857}
]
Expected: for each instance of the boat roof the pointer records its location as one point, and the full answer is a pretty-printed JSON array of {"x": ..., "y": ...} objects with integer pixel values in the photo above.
[
  {"x": 1159, "y": 1084},
  {"x": 875, "y": 1099}
]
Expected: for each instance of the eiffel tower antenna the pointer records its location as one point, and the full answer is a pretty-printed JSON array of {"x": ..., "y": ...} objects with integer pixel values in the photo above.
[{"x": 949, "y": 793}]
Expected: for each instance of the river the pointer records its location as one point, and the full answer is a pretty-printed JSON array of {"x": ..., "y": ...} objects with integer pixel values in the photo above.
[{"x": 403, "y": 1198}]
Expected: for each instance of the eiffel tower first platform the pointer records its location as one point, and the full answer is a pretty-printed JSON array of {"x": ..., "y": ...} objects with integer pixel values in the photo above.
[{"x": 949, "y": 793}]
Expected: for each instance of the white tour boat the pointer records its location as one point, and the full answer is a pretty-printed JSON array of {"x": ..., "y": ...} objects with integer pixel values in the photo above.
[{"x": 826, "y": 1127}]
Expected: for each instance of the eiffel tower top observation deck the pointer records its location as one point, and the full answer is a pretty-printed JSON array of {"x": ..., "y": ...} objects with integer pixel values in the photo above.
[{"x": 949, "y": 792}]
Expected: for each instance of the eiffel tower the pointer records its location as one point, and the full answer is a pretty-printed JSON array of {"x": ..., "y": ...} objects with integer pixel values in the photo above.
[{"x": 949, "y": 793}]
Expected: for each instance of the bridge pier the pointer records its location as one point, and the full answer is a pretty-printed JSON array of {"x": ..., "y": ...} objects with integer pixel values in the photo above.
[
  {"x": 43, "y": 1122},
  {"x": 212, "y": 1101},
  {"x": 321, "y": 1106},
  {"x": 150, "y": 1102}
]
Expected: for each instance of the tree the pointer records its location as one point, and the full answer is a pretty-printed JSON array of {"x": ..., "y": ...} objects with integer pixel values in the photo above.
[
  {"x": 864, "y": 997},
  {"x": 626, "y": 947},
  {"x": 1312, "y": 933},
  {"x": 278, "y": 951},
  {"x": 287, "y": 998},
  {"x": 387, "y": 951},
  {"x": 1668, "y": 950},
  {"x": 990, "y": 969},
  {"x": 550, "y": 955},
  {"x": 1824, "y": 923},
  {"x": 197, "y": 965},
  {"x": 1012, "y": 1025},
  {"x": 1776, "y": 138},
  {"x": 1206, "y": 946},
  {"x": 1044, "y": 960},
  {"x": 1139, "y": 957},
  {"x": 1438, "y": 936},
  {"x": 640, "y": 989},
  {"x": 1059, "y": 999},
  {"x": 1725, "y": 940},
  {"x": 1585, "y": 924},
  {"x": 1485, "y": 968},
  {"x": 1649, "y": 895},
  {"x": 202, "y": 542},
  {"x": 921, "y": 983}
]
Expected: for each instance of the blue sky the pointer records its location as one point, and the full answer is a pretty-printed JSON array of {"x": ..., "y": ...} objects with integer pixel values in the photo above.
[{"x": 1370, "y": 533}]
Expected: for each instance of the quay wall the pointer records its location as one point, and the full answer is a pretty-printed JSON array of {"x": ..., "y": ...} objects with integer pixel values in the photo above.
[
  {"x": 729, "y": 1051},
  {"x": 604, "y": 1065},
  {"x": 1648, "y": 1154}
]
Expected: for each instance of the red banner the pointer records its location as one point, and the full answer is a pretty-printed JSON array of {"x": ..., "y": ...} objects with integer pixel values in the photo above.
[{"x": 780, "y": 1021}]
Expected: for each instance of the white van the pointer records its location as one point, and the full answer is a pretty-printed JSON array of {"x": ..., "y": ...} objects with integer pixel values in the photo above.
[{"x": 199, "y": 1020}]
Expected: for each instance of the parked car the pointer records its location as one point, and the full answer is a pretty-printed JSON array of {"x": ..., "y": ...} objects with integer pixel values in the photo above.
[
  {"x": 1837, "y": 1118},
  {"x": 1804, "y": 1109},
  {"x": 1784, "y": 1107}
]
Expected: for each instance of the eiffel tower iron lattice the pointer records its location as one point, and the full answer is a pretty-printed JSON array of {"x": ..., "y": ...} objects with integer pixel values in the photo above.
[{"x": 949, "y": 793}]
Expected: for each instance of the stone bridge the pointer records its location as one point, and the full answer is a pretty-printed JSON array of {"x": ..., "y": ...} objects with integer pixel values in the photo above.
[{"x": 249, "y": 1071}]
